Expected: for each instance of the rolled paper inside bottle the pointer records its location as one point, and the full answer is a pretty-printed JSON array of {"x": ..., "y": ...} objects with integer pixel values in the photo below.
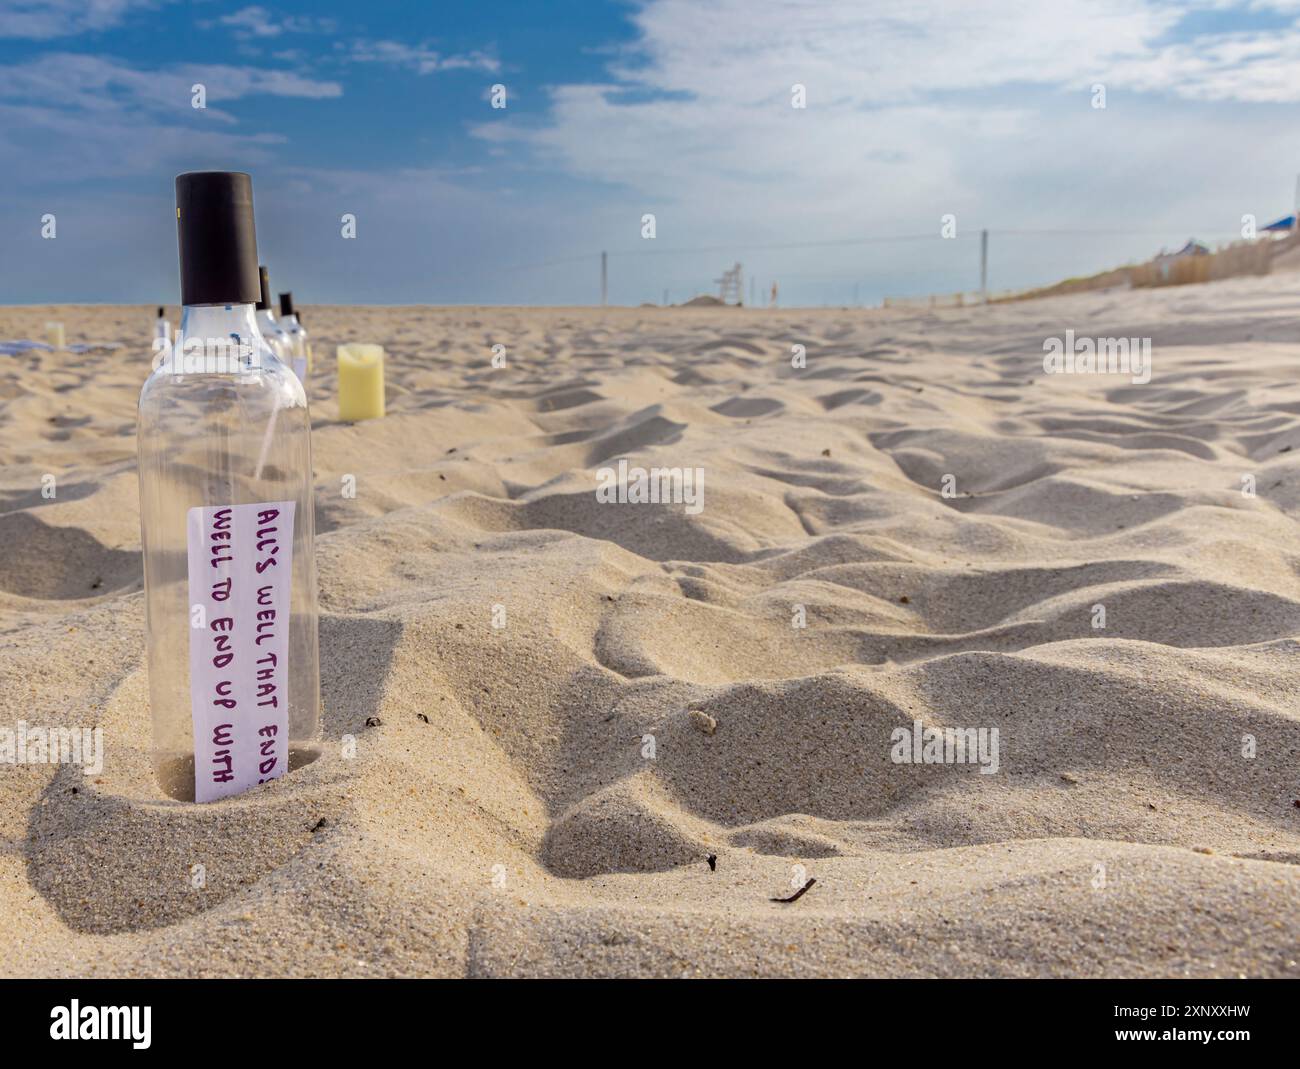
[
  {"x": 54, "y": 335},
  {"x": 361, "y": 382}
]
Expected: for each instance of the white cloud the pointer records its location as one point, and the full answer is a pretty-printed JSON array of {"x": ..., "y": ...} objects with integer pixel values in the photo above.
[
  {"x": 57, "y": 146},
  {"x": 257, "y": 21},
  {"x": 703, "y": 97},
  {"x": 41, "y": 20},
  {"x": 1254, "y": 68},
  {"x": 915, "y": 109},
  {"x": 752, "y": 51},
  {"x": 97, "y": 84},
  {"x": 419, "y": 58},
  {"x": 69, "y": 115}
]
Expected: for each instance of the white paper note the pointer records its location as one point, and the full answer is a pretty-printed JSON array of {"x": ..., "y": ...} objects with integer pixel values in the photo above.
[{"x": 240, "y": 561}]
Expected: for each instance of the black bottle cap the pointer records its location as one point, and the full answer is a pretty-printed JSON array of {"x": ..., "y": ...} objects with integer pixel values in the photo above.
[
  {"x": 264, "y": 293},
  {"x": 218, "y": 243},
  {"x": 160, "y": 311},
  {"x": 286, "y": 304}
]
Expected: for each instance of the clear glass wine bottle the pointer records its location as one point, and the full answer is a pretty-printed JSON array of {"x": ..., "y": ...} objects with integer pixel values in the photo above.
[
  {"x": 224, "y": 446},
  {"x": 291, "y": 321},
  {"x": 277, "y": 337}
]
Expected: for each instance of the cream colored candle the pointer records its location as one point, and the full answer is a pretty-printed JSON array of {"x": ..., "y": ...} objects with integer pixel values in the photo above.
[
  {"x": 361, "y": 382},
  {"x": 55, "y": 336}
]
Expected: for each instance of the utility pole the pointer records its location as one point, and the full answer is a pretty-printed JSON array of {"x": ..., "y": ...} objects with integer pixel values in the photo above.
[
  {"x": 984, "y": 266},
  {"x": 604, "y": 279}
]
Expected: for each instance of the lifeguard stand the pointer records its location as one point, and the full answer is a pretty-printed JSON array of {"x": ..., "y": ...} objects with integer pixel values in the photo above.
[{"x": 731, "y": 286}]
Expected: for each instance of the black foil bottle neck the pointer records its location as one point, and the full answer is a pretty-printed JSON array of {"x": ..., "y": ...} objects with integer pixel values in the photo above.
[
  {"x": 217, "y": 238},
  {"x": 264, "y": 290}
]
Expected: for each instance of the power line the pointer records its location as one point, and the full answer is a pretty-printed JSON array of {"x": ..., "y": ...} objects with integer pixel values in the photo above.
[
  {"x": 1164, "y": 232},
  {"x": 582, "y": 258},
  {"x": 700, "y": 250},
  {"x": 875, "y": 239},
  {"x": 878, "y": 239}
]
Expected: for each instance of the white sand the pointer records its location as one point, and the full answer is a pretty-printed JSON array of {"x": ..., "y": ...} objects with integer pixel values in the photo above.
[{"x": 1124, "y": 834}]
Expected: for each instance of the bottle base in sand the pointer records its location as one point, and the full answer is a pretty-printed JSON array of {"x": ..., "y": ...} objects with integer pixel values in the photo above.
[{"x": 175, "y": 772}]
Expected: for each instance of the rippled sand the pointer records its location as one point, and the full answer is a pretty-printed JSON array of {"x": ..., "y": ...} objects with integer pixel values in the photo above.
[{"x": 542, "y": 798}]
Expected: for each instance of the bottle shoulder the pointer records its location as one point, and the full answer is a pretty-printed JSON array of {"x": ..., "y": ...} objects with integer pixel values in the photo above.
[
  {"x": 222, "y": 356},
  {"x": 214, "y": 375}
]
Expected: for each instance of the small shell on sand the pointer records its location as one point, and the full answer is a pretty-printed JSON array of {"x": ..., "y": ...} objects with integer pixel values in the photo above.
[{"x": 703, "y": 722}]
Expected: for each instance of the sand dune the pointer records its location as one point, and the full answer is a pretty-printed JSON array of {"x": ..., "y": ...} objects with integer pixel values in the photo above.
[{"x": 543, "y": 798}]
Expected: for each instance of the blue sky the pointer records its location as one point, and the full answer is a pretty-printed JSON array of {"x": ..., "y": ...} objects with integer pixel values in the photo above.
[{"x": 983, "y": 109}]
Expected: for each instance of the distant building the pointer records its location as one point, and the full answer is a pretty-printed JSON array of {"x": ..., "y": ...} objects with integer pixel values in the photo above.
[{"x": 1166, "y": 262}]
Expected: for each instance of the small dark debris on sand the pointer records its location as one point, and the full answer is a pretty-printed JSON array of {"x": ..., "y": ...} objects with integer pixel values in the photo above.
[{"x": 799, "y": 893}]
